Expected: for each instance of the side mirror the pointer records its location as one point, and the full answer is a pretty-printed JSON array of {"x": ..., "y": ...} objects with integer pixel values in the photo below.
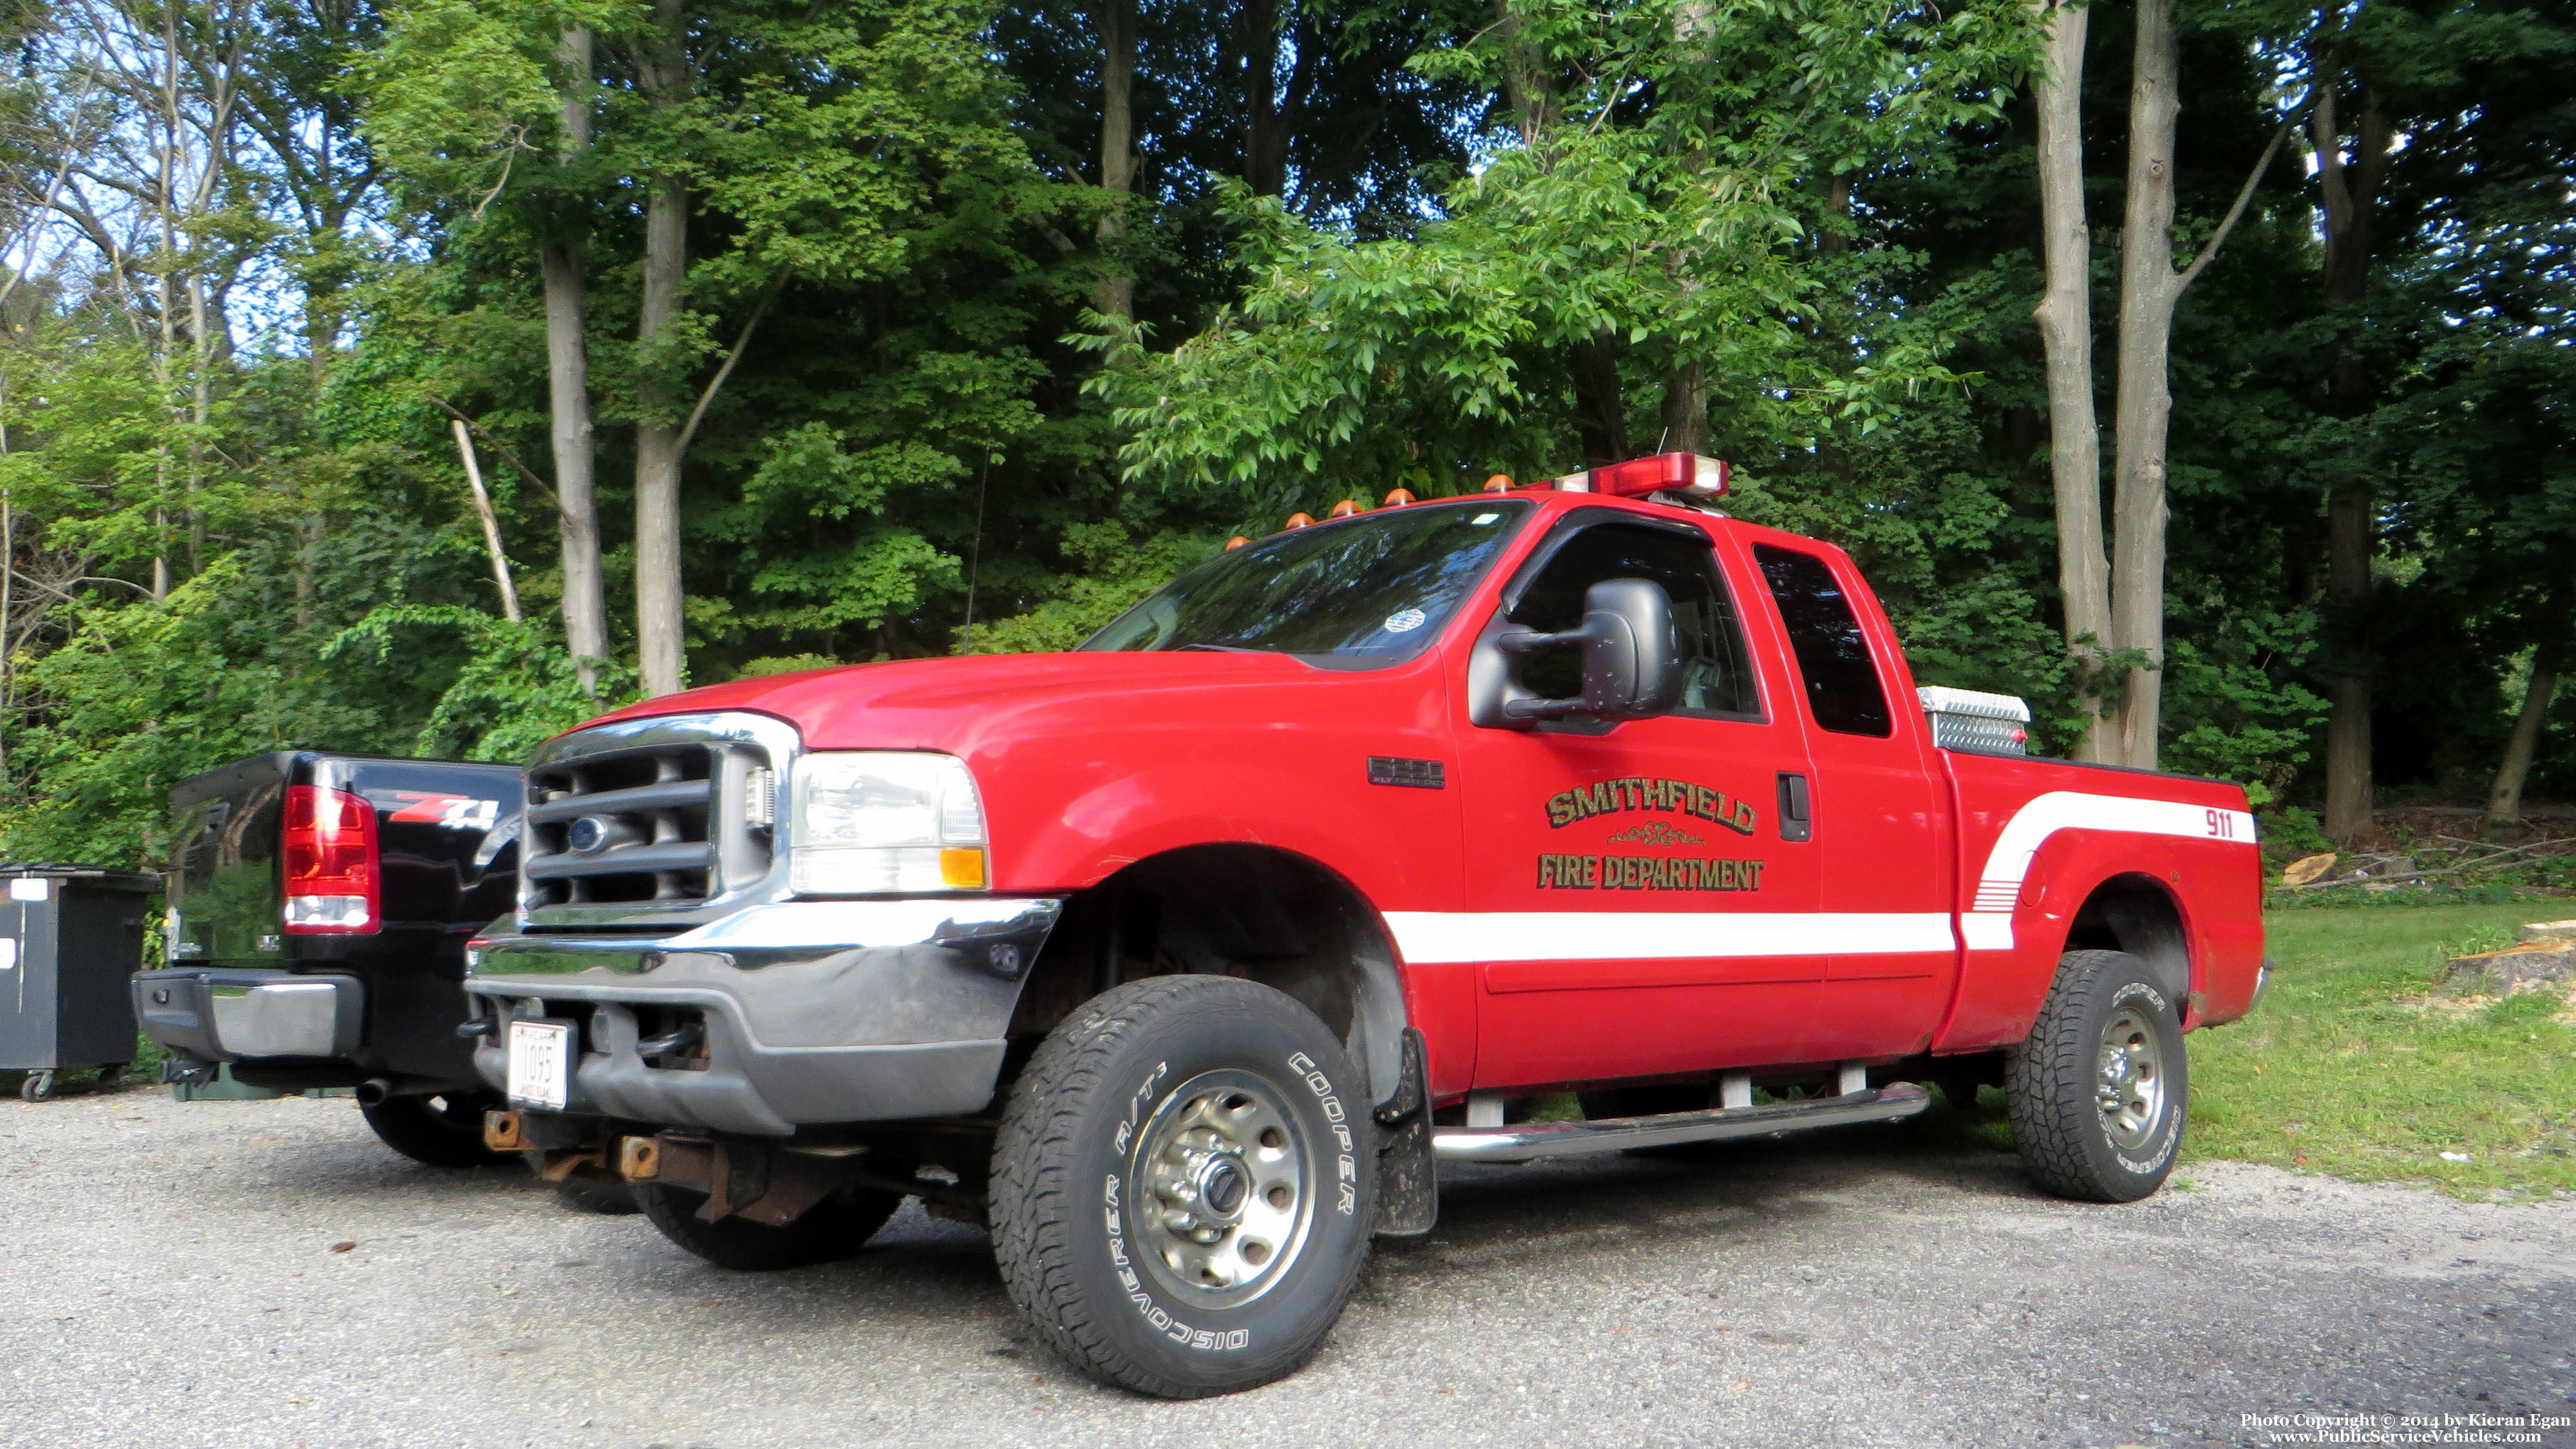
[{"x": 1632, "y": 655}]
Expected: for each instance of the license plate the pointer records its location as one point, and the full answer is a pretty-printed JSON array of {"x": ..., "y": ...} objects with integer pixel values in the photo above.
[{"x": 541, "y": 1064}]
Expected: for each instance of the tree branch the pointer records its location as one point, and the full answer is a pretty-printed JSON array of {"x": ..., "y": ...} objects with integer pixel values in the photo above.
[
  {"x": 2244, "y": 195},
  {"x": 535, "y": 480},
  {"x": 689, "y": 429}
]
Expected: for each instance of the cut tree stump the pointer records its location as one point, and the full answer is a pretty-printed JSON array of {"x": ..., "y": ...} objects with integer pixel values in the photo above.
[{"x": 2546, "y": 952}]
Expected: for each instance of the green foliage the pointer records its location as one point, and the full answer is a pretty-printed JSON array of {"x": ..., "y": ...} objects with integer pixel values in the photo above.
[
  {"x": 516, "y": 689},
  {"x": 2351, "y": 1067},
  {"x": 142, "y": 696},
  {"x": 1111, "y": 572}
]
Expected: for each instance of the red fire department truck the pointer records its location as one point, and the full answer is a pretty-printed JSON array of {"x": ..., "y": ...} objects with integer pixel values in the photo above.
[{"x": 1185, "y": 958}]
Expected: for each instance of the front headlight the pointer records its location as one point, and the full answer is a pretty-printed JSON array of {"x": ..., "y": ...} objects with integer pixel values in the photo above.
[{"x": 872, "y": 822}]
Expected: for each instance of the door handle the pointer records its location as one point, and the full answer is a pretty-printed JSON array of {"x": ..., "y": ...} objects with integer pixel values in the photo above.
[{"x": 1795, "y": 823}]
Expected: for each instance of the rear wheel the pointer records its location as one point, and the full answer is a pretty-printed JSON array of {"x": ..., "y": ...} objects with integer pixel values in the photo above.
[
  {"x": 832, "y": 1229},
  {"x": 2097, "y": 1090},
  {"x": 1184, "y": 1186},
  {"x": 445, "y": 1130}
]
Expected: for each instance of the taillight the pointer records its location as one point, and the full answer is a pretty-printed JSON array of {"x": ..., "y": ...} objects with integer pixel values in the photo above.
[{"x": 333, "y": 882}]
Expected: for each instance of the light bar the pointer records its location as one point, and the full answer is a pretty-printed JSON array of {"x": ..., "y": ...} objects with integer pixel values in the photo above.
[{"x": 1687, "y": 474}]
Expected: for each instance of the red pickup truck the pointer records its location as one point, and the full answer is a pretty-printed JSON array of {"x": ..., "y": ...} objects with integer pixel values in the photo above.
[{"x": 1183, "y": 959}]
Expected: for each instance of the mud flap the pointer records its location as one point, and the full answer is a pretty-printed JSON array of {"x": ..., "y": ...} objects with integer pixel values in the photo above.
[{"x": 1408, "y": 1180}]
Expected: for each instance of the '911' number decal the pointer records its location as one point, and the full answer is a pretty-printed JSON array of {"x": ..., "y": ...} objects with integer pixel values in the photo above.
[{"x": 2222, "y": 824}]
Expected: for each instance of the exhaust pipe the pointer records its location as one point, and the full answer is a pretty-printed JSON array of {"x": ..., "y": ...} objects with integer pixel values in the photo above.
[{"x": 375, "y": 1092}]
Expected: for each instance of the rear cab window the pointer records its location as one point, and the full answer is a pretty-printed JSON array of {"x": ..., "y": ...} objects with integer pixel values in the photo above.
[{"x": 1844, "y": 692}]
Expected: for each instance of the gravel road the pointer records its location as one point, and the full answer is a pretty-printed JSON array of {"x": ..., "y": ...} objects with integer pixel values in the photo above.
[{"x": 168, "y": 1280}]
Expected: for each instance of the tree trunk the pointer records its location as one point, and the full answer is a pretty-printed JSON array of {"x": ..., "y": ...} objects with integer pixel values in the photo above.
[
  {"x": 1600, "y": 408},
  {"x": 1113, "y": 292},
  {"x": 2504, "y": 802},
  {"x": 2066, "y": 328},
  {"x": 1685, "y": 410},
  {"x": 2150, "y": 288},
  {"x": 1265, "y": 140},
  {"x": 1527, "y": 82},
  {"x": 2349, "y": 191},
  {"x": 659, "y": 599},
  {"x": 2143, "y": 408},
  {"x": 585, "y": 593}
]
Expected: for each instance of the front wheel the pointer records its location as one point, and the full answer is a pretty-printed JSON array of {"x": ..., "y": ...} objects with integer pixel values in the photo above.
[
  {"x": 1184, "y": 1186},
  {"x": 2097, "y": 1091},
  {"x": 830, "y": 1230}
]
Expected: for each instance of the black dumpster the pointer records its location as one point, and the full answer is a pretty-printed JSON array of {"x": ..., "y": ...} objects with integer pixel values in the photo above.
[{"x": 71, "y": 938}]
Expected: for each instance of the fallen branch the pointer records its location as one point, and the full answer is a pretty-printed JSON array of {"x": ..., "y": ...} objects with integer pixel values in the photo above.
[{"x": 2479, "y": 863}]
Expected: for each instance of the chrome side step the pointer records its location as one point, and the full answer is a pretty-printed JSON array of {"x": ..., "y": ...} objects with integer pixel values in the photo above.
[{"x": 1529, "y": 1141}]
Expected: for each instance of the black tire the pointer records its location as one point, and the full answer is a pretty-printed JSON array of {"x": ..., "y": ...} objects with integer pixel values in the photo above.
[
  {"x": 36, "y": 1087},
  {"x": 2061, "y": 1096},
  {"x": 445, "y": 1130},
  {"x": 830, "y": 1230},
  {"x": 1077, "y": 1223},
  {"x": 608, "y": 1199}
]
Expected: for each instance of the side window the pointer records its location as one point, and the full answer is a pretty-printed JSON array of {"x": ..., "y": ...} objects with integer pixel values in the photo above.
[
  {"x": 1717, "y": 671},
  {"x": 1842, "y": 680}
]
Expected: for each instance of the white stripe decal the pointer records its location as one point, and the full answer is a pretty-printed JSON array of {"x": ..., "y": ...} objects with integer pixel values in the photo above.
[
  {"x": 1427, "y": 937},
  {"x": 1999, "y": 884},
  {"x": 1432, "y": 936}
]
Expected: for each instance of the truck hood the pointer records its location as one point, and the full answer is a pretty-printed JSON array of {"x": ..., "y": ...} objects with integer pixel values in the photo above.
[{"x": 949, "y": 704}]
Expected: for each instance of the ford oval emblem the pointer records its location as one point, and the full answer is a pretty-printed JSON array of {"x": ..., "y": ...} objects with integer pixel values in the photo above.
[{"x": 587, "y": 834}]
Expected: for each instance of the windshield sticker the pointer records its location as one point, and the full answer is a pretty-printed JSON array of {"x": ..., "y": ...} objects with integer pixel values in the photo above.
[
  {"x": 1647, "y": 873},
  {"x": 1483, "y": 518},
  {"x": 1404, "y": 621},
  {"x": 1610, "y": 797}
]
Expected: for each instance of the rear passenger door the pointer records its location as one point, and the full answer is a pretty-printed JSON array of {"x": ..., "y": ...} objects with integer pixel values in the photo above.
[
  {"x": 1633, "y": 906},
  {"x": 1880, "y": 814}
]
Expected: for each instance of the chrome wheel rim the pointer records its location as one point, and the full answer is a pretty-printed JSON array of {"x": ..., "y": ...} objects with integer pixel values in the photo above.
[
  {"x": 2130, "y": 1089},
  {"x": 1223, "y": 1176}
]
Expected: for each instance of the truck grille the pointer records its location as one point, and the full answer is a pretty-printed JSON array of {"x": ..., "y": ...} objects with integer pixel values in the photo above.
[{"x": 654, "y": 815}]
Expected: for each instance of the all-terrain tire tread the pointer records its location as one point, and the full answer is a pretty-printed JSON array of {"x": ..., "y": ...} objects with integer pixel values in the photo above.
[
  {"x": 2049, "y": 1076},
  {"x": 1032, "y": 1200}
]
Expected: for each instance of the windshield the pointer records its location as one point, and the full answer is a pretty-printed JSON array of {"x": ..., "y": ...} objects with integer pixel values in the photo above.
[{"x": 1371, "y": 589}]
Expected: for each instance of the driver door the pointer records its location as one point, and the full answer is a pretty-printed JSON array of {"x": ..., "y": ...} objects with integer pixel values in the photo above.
[{"x": 1639, "y": 906}]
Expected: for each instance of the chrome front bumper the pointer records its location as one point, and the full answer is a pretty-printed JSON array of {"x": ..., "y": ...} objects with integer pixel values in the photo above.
[{"x": 812, "y": 1011}]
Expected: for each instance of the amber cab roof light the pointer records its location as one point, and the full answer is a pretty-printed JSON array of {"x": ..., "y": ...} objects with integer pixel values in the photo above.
[{"x": 1687, "y": 474}]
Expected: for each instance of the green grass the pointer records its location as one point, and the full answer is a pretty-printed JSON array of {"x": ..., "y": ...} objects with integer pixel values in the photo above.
[{"x": 2350, "y": 1067}]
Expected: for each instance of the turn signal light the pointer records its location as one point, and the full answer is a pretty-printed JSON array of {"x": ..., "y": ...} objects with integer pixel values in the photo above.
[
  {"x": 1687, "y": 474},
  {"x": 963, "y": 869}
]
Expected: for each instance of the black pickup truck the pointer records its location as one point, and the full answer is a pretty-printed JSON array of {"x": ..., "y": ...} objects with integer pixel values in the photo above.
[{"x": 319, "y": 909}]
